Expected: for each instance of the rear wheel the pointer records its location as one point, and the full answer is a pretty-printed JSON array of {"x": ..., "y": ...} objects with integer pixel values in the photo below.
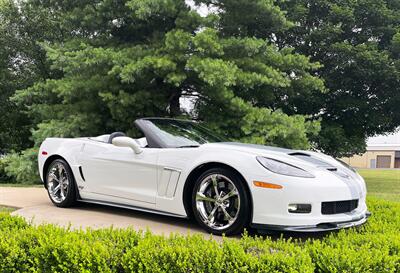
[
  {"x": 61, "y": 184},
  {"x": 220, "y": 202}
]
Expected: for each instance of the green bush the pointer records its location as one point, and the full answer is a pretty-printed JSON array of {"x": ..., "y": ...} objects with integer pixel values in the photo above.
[
  {"x": 3, "y": 175},
  {"x": 20, "y": 167},
  {"x": 375, "y": 247}
]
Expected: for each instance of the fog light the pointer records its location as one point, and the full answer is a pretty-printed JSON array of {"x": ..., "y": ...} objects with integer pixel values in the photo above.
[{"x": 299, "y": 208}]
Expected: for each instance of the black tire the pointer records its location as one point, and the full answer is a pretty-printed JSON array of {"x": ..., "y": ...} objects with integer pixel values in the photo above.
[
  {"x": 243, "y": 213},
  {"x": 70, "y": 189}
]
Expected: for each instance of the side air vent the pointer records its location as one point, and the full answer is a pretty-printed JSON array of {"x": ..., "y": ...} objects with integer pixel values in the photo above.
[{"x": 81, "y": 173}]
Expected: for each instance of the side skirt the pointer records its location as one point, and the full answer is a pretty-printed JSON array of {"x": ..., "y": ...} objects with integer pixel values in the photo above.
[{"x": 111, "y": 204}]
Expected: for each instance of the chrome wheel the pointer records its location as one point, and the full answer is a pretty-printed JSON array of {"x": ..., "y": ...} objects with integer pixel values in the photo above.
[
  {"x": 58, "y": 182},
  {"x": 217, "y": 201}
]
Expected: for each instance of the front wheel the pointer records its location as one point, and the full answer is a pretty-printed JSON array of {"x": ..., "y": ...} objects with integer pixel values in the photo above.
[
  {"x": 220, "y": 202},
  {"x": 61, "y": 184}
]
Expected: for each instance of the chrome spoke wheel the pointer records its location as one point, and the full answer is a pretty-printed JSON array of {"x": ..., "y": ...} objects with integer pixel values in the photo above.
[
  {"x": 217, "y": 201},
  {"x": 58, "y": 182}
]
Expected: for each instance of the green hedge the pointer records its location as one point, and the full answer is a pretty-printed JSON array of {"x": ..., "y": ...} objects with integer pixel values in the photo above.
[
  {"x": 20, "y": 167},
  {"x": 375, "y": 247}
]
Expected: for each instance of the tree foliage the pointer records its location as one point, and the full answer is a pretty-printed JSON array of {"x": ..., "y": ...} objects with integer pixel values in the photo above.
[
  {"x": 129, "y": 59},
  {"x": 263, "y": 71},
  {"x": 357, "y": 41},
  {"x": 11, "y": 78}
]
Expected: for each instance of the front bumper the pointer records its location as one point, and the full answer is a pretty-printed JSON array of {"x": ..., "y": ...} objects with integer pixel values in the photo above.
[
  {"x": 329, "y": 226},
  {"x": 270, "y": 206}
]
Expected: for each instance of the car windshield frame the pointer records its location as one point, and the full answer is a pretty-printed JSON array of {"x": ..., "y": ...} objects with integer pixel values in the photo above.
[{"x": 175, "y": 133}]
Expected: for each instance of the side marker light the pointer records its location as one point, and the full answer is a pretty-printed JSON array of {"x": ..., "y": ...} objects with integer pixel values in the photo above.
[{"x": 267, "y": 185}]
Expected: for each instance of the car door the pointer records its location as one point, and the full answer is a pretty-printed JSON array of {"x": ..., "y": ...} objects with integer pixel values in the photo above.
[{"x": 118, "y": 173}]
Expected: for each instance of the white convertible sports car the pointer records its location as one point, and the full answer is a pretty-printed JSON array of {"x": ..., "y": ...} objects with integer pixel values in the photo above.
[{"x": 181, "y": 169}]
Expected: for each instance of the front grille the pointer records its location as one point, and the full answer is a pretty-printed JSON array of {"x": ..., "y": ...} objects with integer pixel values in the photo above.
[{"x": 336, "y": 207}]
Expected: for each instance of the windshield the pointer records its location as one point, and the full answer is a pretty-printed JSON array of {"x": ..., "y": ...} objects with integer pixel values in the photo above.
[{"x": 180, "y": 133}]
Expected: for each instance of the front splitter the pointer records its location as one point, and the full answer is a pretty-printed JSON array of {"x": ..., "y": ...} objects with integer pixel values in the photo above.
[{"x": 314, "y": 228}]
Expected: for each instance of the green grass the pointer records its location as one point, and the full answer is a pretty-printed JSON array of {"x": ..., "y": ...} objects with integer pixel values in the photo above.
[
  {"x": 21, "y": 185},
  {"x": 384, "y": 184},
  {"x": 6, "y": 209}
]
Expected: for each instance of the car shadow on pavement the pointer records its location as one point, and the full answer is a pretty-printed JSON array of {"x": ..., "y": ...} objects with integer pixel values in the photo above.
[{"x": 179, "y": 223}]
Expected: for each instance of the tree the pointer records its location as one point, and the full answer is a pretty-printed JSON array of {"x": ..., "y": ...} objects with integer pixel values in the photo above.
[
  {"x": 126, "y": 59},
  {"x": 357, "y": 41},
  {"x": 12, "y": 123},
  {"x": 22, "y": 63}
]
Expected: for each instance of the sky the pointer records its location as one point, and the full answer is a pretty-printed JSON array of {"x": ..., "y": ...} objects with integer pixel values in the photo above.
[
  {"x": 386, "y": 139},
  {"x": 202, "y": 9}
]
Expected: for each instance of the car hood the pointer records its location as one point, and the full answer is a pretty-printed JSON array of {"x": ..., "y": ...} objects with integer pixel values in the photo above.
[{"x": 307, "y": 160}]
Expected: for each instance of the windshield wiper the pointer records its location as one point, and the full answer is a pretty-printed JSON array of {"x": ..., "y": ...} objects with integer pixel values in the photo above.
[{"x": 189, "y": 146}]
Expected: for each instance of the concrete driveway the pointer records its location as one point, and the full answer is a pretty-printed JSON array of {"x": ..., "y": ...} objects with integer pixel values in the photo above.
[{"x": 34, "y": 205}]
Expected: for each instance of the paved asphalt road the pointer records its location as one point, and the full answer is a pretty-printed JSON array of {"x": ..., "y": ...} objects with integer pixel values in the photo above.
[{"x": 34, "y": 205}]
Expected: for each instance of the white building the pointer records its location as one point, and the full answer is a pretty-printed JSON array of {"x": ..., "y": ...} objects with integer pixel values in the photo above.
[{"x": 382, "y": 152}]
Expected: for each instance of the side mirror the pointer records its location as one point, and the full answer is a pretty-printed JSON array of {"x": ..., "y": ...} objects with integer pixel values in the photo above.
[{"x": 127, "y": 142}]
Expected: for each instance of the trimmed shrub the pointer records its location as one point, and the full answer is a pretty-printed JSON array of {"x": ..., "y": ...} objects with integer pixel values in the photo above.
[
  {"x": 21, "y": 167},
  {"x": 374, "y": 247},
  {"x": 3, "y": 176}
]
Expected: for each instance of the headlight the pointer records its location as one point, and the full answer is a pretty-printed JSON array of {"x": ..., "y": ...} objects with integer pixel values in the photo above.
[{"x": 277, "y": 166}]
